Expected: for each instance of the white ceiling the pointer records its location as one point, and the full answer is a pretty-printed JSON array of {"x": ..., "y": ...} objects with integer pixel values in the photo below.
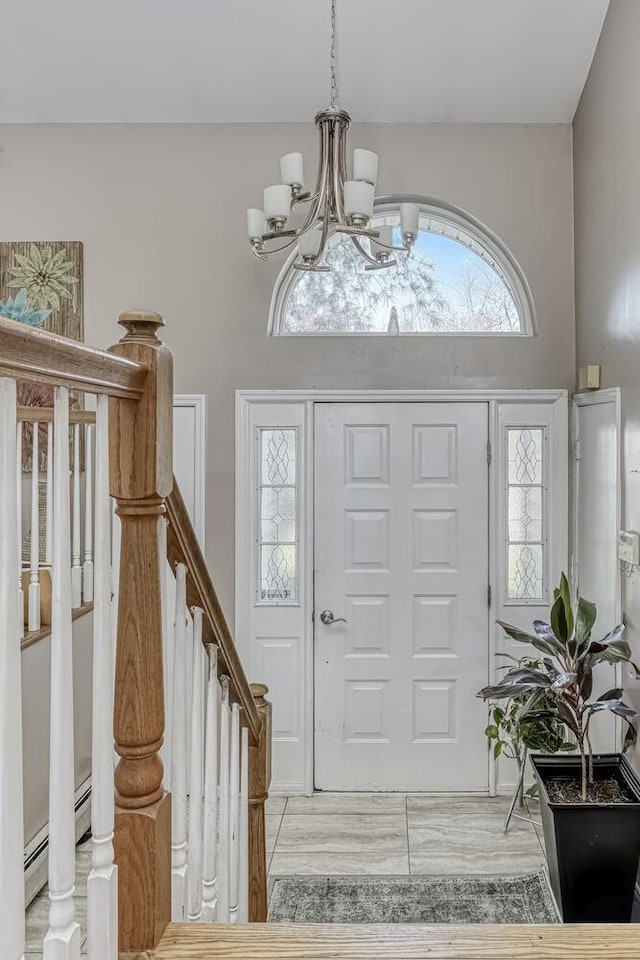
[{"x": 451, "y": 61}]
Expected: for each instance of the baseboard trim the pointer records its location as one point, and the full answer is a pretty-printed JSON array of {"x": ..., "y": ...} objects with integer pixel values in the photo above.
[{"x": 36, "y": 854}]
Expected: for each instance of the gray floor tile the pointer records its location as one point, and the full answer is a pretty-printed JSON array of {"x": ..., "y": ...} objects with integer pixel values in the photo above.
[
  {"x": 421, "y": 806},
  {"x": 275, "y": 805},
  {"x": 272, "y": 825},
  {"x": 347, "y": 803},
  {"x": 351, "y": 864},
  {"x": 471, "y": 843},
  {"x": 340, "y": 833}
]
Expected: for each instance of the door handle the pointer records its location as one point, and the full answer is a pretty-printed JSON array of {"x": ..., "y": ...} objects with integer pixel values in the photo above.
[{"x": 328, "y": 618}]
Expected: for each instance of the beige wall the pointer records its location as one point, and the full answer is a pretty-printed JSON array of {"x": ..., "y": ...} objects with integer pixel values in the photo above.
[
  {"x": 607, "y": 201},
  {"x": 161, "y": 212}
]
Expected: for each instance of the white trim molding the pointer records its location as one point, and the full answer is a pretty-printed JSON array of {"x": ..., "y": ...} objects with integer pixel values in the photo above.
[
  {"x": 198, "y": 403},
  {"x": 276, "y": 641}
]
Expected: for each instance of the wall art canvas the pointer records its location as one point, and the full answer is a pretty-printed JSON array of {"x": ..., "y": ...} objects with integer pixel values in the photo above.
[
  {"x": 41, "y": 285},
  {"x": 50, "y": 274}
]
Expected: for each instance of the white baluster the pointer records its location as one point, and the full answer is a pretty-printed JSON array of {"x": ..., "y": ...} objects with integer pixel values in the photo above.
[
  {"x": 87, "y": 566},
  {"x": 102, "y": 884},
  {"x": 194, "y": 909},
  {"x": 11, "y": 809},
  {"x": 210, "y": 827},
  {"x": 18, "y": 481},
  {"x": 62, "y": 941},
  {"x": 234, "y": 816},
  {"x": 188, "y": 669},
  {"x": 48, "y": 548},
  {"x": 243, "y": 906},
  {"x": 116, "y": 536},
  {"x": 34, "y": 569},
  {"x": 223, "y": 820},
  {"x": 167, "y": 603},
  {"x": 76, "y": 569},
  {"x": 179, "y": 755}
]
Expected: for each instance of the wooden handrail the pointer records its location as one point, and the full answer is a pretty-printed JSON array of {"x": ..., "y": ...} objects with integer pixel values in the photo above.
[
  {"x": 183, "y": 547},
  {"x": 32, "y": 354},
  {"x": 45, "y": 415}
]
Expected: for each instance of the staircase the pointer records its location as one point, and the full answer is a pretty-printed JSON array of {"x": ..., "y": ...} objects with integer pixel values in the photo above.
[{"x": 178, "y": 864}]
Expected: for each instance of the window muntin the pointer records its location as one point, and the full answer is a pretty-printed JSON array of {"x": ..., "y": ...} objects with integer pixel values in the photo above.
[
  {"x": 526, "y": 513},
  {"x": 277, "y": 539},
  {"x": 459, "y": 280}
]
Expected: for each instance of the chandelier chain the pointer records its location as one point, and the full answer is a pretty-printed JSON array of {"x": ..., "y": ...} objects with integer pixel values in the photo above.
[{"x": 334, "y": 69}]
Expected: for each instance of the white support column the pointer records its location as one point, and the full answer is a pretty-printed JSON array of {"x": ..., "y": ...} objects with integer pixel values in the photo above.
[
  {"x": 18, "y": 482},
  {"x": 62, "y": 941},
  {"x": 87, "y": 566},
  {"x": 102, "y": 884},
  {"x": 243, "y": 907},
  {"x": 11, "y": 806},
  {"x": 223, "y": 819},
  {"x": 76, "y": 569},
  {"x": 34, "y": 566},
  {"x": 210, "y": 825},
  {"x": 234, "y": 816},
  {"x": 179, "y": 755},
  {"x": 48, "y": 549},
  {"x": 194, "y": 907}
]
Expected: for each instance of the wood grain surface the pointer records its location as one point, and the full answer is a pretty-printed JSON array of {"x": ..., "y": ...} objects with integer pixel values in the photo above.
[{"x": 397, "y": 942}]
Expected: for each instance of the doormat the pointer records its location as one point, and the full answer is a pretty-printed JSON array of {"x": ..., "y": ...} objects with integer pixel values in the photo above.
[{"x": 428, "y": 900}]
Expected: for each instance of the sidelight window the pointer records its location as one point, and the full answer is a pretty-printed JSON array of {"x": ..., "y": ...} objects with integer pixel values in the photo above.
[
  {"x": 526, "y": 519},
  {"x": 278, "y": 515}
]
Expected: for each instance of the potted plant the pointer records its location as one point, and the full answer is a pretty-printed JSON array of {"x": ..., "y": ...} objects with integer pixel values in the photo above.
[
  {"x": 515, "y": 733},
  {"x": 590, "y": 805}
]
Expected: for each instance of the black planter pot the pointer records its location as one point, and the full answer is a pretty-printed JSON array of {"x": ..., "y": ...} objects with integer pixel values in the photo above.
[{"x": 593, "y": 849}]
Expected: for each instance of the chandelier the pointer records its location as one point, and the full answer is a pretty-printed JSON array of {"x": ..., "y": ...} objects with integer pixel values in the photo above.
[{"x": 335, "y": 206}]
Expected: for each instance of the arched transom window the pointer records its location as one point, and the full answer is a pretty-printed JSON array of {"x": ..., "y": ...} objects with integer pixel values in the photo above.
[{"x": 460, "y": 279}]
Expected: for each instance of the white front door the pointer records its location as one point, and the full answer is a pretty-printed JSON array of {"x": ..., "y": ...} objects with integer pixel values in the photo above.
[{"x": 401, "y": 553}]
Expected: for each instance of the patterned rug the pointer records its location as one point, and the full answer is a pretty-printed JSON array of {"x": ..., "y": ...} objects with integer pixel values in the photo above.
[{"x": 430, "y": 900}]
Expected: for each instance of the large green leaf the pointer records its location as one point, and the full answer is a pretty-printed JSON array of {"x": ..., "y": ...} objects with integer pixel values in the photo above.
[
  {"x": 617, "y": 706},
  {"x": 559, "y": 620},
  {"x": 585, "y": 619},
  {"x": 544, "y": 631},
  {"x": 521, "y": 637},
  {"x": 564, "y": 593}
]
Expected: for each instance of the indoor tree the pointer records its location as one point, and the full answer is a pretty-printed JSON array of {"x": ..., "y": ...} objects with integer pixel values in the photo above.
[{"x": 565, "y": 673}]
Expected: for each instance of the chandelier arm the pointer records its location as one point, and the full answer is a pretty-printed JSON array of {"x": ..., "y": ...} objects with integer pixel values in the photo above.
[
  {"x": 326, "y": 221},
  {"x": 285, "y": 246},
  {"x": 314, "y": 210},
  {"x": 339, "y": 172},
  {"x": 356, "y": 242}
]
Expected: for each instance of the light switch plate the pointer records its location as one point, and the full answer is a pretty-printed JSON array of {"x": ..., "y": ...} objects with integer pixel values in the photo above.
[
  {"x": 589, "y": 377},
  {"x": 629, "y": 548}
]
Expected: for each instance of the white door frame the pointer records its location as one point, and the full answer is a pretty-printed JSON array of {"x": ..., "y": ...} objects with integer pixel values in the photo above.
[
  {"x": 198, "y": 403},
  {"x": 613, "y": 396},
  {"x": 248, "y": 403}
]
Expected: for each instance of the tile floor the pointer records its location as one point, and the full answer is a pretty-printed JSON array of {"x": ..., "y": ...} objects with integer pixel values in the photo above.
[
  {"x": 373, "y": 834},
  {"x": 368, "y": 834}
]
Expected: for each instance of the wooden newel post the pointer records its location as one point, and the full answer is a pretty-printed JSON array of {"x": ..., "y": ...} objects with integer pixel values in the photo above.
[
  {"x": 259, "y": 780},
  {"x": 141, "y": 476}
]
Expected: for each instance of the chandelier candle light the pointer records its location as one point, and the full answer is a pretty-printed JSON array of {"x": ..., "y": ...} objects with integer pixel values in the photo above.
[{"x": 337, "y": 205}]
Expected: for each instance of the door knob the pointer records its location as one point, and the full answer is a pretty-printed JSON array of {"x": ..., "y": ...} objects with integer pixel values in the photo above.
[{"x": 328, "y": 618}]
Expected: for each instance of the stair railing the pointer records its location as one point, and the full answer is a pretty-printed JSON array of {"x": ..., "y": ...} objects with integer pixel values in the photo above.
[
  {"x": 230, "y": 882},
  {"x": 228, "y": 722}
]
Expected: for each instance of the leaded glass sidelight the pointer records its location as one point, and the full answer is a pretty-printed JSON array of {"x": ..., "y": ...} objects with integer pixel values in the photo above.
[
  {"x": 277, "y": 533},
  {"x": 525, "y": 513}
]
